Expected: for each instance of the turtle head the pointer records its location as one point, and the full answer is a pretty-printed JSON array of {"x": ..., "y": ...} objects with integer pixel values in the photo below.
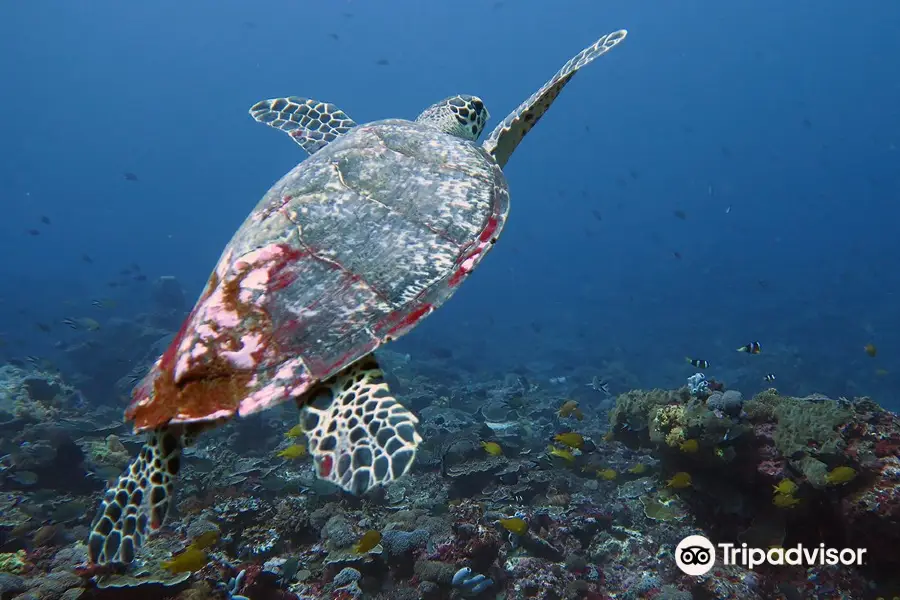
[{"x": 462, "y": 116}]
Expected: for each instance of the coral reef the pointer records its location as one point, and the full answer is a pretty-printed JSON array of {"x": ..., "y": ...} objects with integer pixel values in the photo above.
[{"x": 596, "y": 516}]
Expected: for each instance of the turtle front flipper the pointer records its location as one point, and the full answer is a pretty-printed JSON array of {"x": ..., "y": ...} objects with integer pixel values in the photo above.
[
  {"x": 508, "y": 134},
  {"x": 310, "y": 123},
  {"x": 359, "y": 435},
  {"x": 139, "y": 500}
]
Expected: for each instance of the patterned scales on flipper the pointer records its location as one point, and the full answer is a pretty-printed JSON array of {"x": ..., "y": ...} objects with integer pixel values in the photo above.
[
  {"x": 508, "y": 134},
  {"x": 359, "y": 435},
  {"x": 310, "y": 123},
  {"x": 139, "y": 500}
]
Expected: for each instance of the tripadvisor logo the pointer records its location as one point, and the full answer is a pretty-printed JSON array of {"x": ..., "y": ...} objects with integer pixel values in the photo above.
[{"x": 695, "y": 555}]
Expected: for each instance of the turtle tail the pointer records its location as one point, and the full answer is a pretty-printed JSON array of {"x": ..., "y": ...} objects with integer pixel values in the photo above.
[{"x": 139, "y": 500}]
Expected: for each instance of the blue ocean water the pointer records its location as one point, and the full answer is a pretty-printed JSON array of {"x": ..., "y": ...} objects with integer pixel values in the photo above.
[{"x": 728, "y": 174}]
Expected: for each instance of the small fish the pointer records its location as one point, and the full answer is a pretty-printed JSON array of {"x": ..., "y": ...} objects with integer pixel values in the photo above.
[
  {"x": 881, "y": 372},
  {"x": 515, "y": 525},
  {"x": 103, "y": 303},
  {"x": 89, "y": 323},
  {"x": 751, "y": 348},
  {"x": 369, "y": 540},
  {"x": 769, "y": 377},
  {"x": 561, "y": 453},
  {"x": 697, "y": 362},
  {"x": 571, "y": 439},
  {"x": 599, "y": 385},
  {"x": 492, "y": 448},
  {"x": 205, "y": 540},
  {"x": 43, "y": 327},
  {"x": 680, "y": 214},
  {"x": 607, "y": 474},
  {"x": 192, "y": 559},
  {"x": 784, "y": 501},
  {"x": 295, "y": 431},
  {"x": 785, "y": 486},
  {"x": 679, "y": 481},
  {"x": 85, "y": 323},
  {"x": 840, "y": 475},
  {"x": 870, "y": 349},
  {"x": 567, "y": 408},
  {"x": 33, "y": 232},
  {"x": 293, "y": 451},
  {"x": 87, "y": 259},
  {"x": 129, "y": 176},
  {"x": 638, "y": 469},
  {"x": 382, "y": 62},
  {"x": 45, "y": 220},
  {"x": 689, "y": 446}
]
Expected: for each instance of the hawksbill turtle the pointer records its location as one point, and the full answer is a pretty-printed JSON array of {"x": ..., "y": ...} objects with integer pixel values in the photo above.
[{"x": 350, "y": 249}]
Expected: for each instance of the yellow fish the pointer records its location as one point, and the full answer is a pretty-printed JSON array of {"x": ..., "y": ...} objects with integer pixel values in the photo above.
[
  {"x": 638, "y": 469},
  {"x": 369, "y": 540},
  {"x": 492, "y": 448},
  {"x": 870, "y": 349},
  {"x": 295, "y": 431},
  {"x": 515, "y": 525},
  {"x": 840, "y": 475},
  {"x": 606, "y": 474},
  {"x": 293, "y": 451},
  {"x": 679, "y": 481},
  {"x": 571, "y": 439},
  {"x": 785, "y": 486},
  {"x": 570, "y": 409},
  {"x": 689, "y": 446},
  {"x": 784, "y": 501},
  {"x": 86, "y": 323},
  {"x": 563, "y": 454},
  {"x": 205, "y": 540},
  {"x": 89, "y": 323},
  {"x": 192, "y": 559}
]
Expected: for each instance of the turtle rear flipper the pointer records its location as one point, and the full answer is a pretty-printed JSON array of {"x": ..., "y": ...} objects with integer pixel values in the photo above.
[
  {"x": 359, "y": 435},
  {"x": 138, "y": 502},
  {"x": 310, "y": 123},
  {"x": 507, "y": 135}
]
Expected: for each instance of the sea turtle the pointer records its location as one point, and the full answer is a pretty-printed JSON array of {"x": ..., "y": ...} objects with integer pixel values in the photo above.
[{"x": 350, "y": 249}]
